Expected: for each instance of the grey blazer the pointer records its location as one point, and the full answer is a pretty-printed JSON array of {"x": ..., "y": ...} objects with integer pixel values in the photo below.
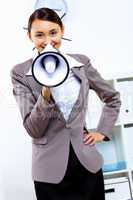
[{"x": 51, "y": 133}]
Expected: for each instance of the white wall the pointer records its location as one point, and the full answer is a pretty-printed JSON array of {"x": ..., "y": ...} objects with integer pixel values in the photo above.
[
  {"x": 103, "y": 30},
  {"x": 100, "y": 29}
]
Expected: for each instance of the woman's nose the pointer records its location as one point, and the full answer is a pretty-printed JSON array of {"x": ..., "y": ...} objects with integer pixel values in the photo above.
[{"x": 47, "y": 41}]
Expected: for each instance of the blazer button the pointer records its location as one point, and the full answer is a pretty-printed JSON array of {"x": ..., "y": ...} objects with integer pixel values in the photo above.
[{"x": 68, "y": 126}]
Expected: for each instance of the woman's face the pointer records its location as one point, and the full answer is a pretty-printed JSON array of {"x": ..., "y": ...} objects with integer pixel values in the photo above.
[{"x": 45, "y": 32}]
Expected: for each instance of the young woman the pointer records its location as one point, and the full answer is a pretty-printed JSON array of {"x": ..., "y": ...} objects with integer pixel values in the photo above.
[{"x": 65, "y": 162}]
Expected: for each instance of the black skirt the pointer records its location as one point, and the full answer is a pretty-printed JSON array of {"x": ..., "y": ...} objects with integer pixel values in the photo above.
[{"x": 77, "y": 184}]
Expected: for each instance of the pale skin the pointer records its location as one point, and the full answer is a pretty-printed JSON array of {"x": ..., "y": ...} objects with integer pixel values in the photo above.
[{"x": 45, "y": 32}]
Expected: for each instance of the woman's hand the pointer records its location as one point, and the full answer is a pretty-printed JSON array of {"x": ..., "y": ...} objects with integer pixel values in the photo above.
[
  {"x": 92, "y": 138},
  {"x": 46, "y": 93}
]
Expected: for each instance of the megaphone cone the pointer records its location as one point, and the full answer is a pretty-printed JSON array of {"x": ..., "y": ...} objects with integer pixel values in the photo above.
[{"x": 50, "y": 68}]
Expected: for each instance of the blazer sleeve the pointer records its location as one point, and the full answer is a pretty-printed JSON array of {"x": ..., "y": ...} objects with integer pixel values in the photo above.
[
  {"x": 108, "y": 95},
  {"x": 35, "y": 112}
]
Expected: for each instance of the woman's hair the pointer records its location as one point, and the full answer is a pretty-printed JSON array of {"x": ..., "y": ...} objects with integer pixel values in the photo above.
[{"x": 45, "y": 14}]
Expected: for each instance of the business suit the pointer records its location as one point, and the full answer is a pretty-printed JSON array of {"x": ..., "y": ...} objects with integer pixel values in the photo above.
[{"x": 51, "y": 133}]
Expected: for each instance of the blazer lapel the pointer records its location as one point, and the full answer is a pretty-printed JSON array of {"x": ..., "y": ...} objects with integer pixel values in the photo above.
[{"x": 79, "y": 104}]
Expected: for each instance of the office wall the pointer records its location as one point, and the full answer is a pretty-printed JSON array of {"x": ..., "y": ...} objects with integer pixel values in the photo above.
[{"x": 100, "y": 29}]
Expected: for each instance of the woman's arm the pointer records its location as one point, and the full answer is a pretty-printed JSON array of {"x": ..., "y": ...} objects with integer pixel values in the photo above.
[
  {"x": 108, "y": 95},
  {"x": 35, "y": 113}
]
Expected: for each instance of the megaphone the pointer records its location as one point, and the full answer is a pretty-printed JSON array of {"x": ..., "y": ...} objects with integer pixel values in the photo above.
[{"x": 50, "y": 68}]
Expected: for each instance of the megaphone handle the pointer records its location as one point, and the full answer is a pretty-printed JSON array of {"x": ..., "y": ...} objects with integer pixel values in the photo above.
[{"x": 46, "y": 93}]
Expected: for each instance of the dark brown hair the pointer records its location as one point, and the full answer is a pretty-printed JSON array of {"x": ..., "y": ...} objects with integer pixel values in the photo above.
[{"x": 46, "y": 14}]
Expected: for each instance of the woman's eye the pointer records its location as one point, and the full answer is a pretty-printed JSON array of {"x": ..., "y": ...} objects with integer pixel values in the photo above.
[
  {"x": 39, "y": 35},
  {"x": 53, "y": 33}
]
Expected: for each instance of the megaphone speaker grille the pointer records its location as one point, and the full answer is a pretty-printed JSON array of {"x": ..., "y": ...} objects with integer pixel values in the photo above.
[{"x": 49, "y": 63}]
